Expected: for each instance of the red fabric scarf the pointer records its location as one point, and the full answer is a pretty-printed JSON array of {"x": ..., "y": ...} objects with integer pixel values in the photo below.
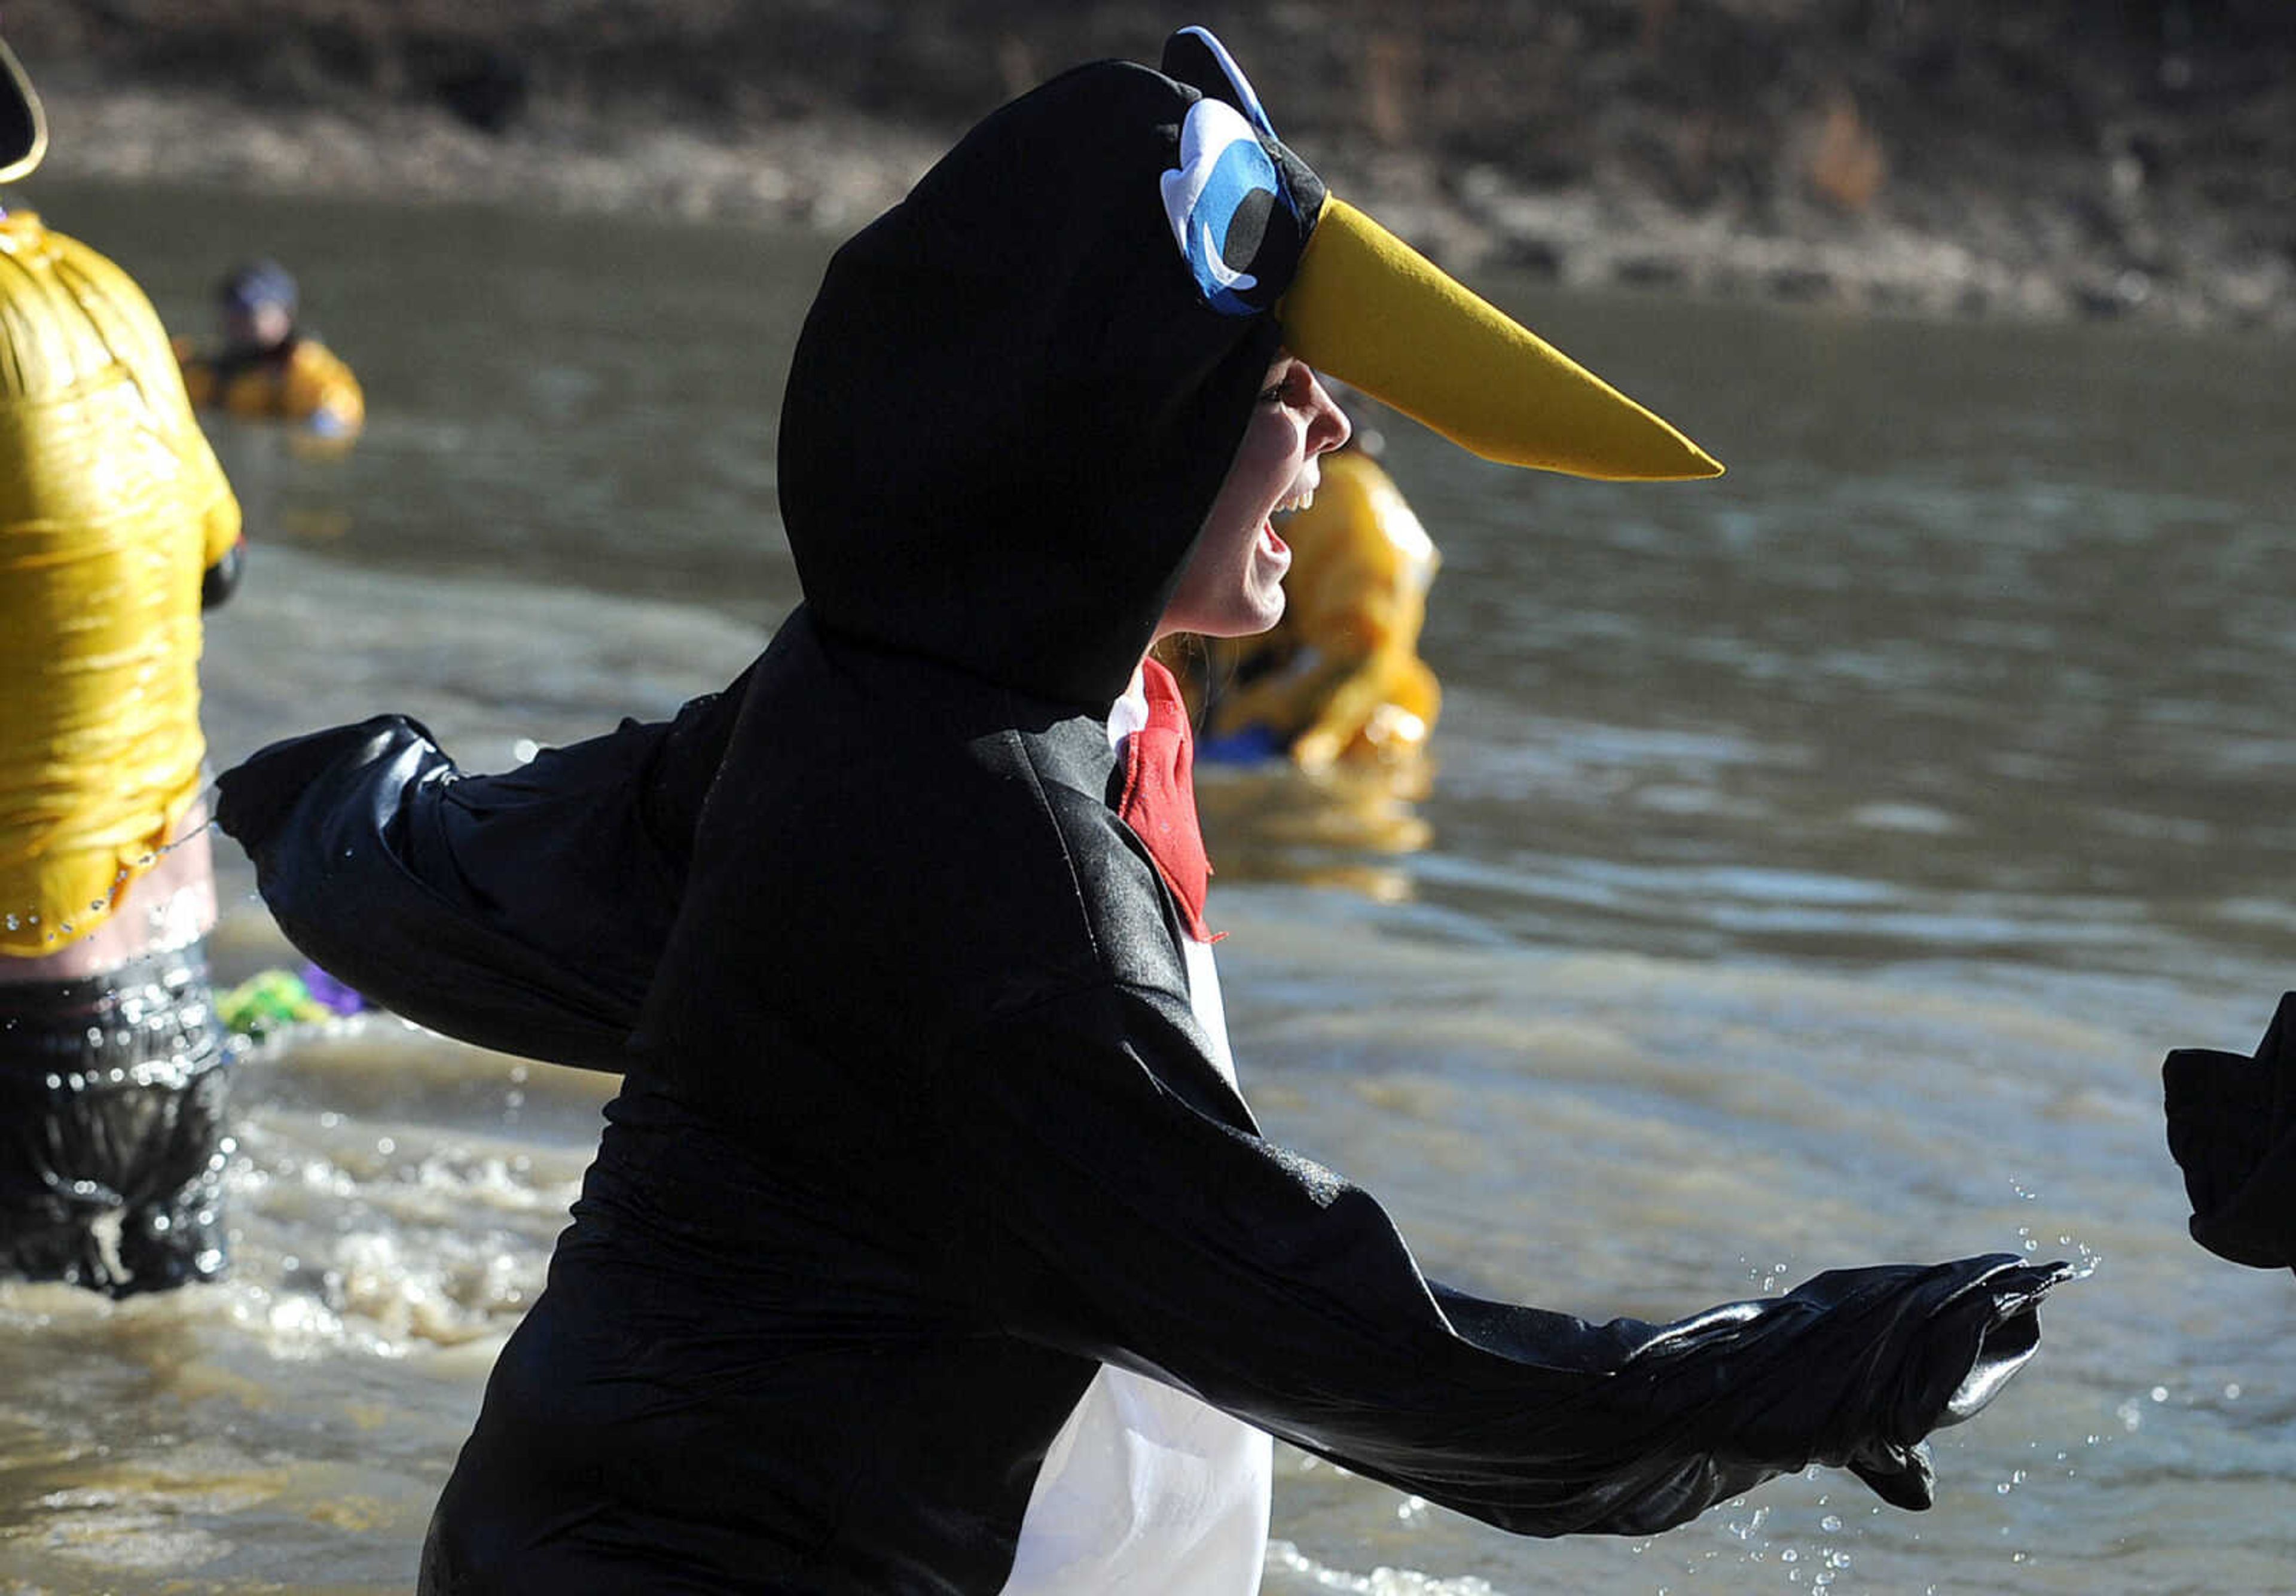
[{"x": 1160, "y": 797}]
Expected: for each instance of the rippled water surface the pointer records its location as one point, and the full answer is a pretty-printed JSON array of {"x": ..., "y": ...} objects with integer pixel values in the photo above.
[{"x": 1819, "y": 863}]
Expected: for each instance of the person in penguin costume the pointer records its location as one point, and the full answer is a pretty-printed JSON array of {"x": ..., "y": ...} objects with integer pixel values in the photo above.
[{"x": 929, "y": 1246}]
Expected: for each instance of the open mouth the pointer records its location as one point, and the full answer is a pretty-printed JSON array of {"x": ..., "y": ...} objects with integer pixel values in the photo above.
[{"x": 1290, "y": 504}]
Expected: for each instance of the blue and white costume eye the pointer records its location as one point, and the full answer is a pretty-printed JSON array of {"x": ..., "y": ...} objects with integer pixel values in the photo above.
[{"x": 1218, "y": 199}]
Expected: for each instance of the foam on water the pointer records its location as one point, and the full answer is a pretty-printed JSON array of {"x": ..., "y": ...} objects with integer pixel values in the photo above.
[{"x": 1290, "y": 1569}]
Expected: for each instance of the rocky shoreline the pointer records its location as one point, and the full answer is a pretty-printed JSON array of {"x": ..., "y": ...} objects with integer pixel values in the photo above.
[{"x": 1861, "y": 173}]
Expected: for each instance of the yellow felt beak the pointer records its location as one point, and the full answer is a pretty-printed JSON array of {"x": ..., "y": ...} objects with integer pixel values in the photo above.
[
  {"x": 1373, "y": 312},
  {"x": 23, "y": 126}
]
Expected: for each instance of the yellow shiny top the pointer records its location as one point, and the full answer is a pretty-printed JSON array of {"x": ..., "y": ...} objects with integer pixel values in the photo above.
[
  {"x": 111, "y": 507},
  {"x": 1339, "y": 677}
]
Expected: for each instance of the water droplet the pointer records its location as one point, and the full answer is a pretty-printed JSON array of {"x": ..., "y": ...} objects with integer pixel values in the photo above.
[
  {"x": 2160, "y": 1393},
  {"x": 1830, "y": 1523},
  {"x": 2232, "y": 1392}
]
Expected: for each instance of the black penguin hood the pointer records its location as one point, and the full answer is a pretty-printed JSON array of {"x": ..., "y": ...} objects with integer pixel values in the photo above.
[
  {"x": 1019, "y": 391},
  {"x": 1015, "y": 397}
]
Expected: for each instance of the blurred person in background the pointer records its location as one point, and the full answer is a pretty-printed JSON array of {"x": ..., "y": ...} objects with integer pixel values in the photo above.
[
  {"x": 266, "y": 368},
  {"x": 282, "y": 408},
  {"x": 1339, "y": 677},
  {"x": 117, "y": 529}
]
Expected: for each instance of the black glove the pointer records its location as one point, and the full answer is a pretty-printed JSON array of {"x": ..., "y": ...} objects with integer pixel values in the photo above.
[
  {"x": 255, "y": 797},
  {"x": 1979, "y": 1340}
]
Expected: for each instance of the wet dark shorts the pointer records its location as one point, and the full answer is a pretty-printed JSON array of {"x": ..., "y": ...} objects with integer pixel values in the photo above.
[{"x": 112, "y": 1098}]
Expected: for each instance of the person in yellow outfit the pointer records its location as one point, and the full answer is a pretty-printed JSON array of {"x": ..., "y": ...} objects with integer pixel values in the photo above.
[
  {"x": 267, "y": 368},
  {"x": 1340, "y": 678},
  {"x": 117, "y": 529}
]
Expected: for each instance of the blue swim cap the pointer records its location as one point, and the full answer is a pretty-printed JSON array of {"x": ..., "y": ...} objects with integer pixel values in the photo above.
[{"x": 258, "y": 283}]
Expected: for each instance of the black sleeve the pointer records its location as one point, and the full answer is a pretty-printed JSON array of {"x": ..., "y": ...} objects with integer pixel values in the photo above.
[
  {"x": 220, "y": 581},
  {"x": 2232, "y": 1131},
  {"x": 1124, "y": 1208},
  {"x": 522, "y": 911}
]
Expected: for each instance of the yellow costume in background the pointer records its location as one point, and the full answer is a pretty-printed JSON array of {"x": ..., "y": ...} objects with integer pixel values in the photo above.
[
  {"x": 303, "y": 382},
  {"x": 1340, "y": 678},
  {"x": 111, "y": 507}
]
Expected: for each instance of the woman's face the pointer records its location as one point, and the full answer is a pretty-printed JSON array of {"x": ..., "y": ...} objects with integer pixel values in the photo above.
[{"x": 1234, "y": 583}]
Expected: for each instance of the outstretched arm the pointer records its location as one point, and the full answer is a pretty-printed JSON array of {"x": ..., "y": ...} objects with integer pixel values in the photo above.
[
  {"x": 1129, "y": 1212},
  {"x": 521, "y": 911}
]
